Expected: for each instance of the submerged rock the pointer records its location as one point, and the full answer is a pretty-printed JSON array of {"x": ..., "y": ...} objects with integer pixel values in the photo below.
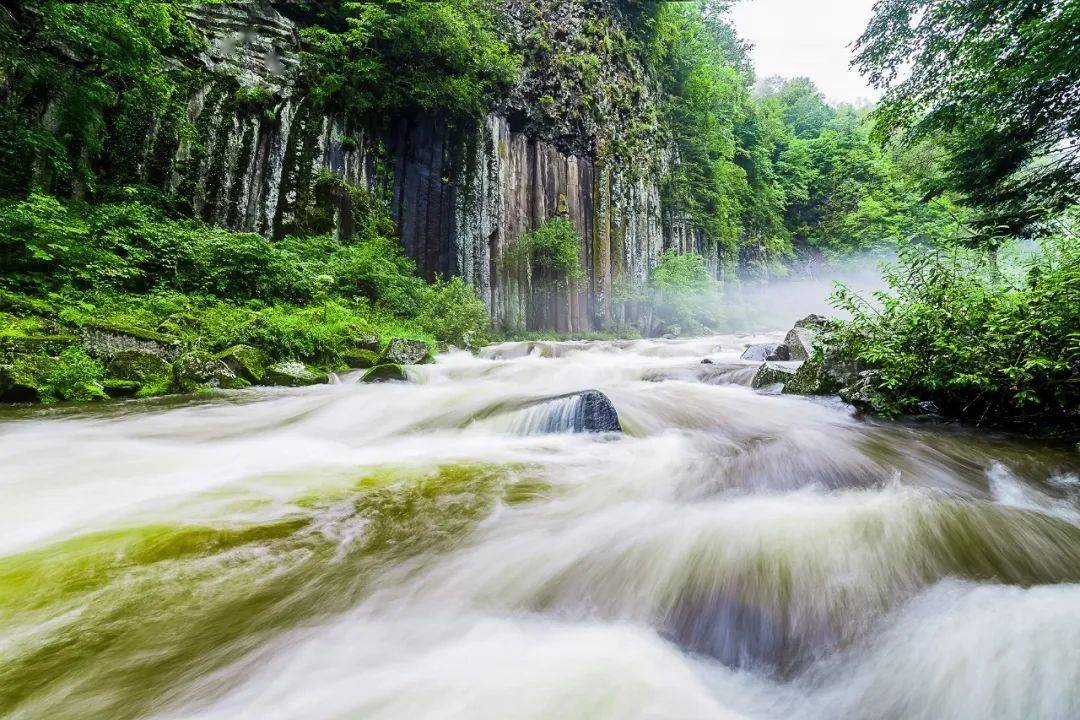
[
  {"x": 195, "y": 370},
  {"x": 401, "y": 351},
  {"x": 246, "y": 362},
  {"x": 385, "y": 372},
  {"x": 293, "y": 373},
  {"x": 772, "y": 373}
]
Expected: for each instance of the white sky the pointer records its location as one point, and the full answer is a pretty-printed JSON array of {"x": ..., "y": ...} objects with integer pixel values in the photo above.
[{"x": 807, "y": 38}]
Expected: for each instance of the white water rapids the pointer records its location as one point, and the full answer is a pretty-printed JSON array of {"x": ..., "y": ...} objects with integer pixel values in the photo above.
[{"x": 434, "y": 550}]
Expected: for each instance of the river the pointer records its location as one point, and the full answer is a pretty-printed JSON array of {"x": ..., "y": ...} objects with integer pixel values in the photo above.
[{"x": 421, "y": 551}]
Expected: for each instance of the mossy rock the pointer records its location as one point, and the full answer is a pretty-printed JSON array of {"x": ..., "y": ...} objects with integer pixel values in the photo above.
[
  {"x": 402, "y": 351},
  {"x": 366, "y": 341},
  {"x": 141, "y": 366},
  {"x": 385, "y": 372},
  {"x": 194, "y": 371},
  {"x": 22, "y": 378},
  {"x": 132, "y": 331},
  {"x": 121, "y": 388},
  {"x": 361, "y": 359},
  {"x": 246, "y": 362},
  {"x": 773, "y": 373},
  {"x": 293, "y": 374},
  {"x": 107, "y": 341},
  {"x": 40, "y": 344}
]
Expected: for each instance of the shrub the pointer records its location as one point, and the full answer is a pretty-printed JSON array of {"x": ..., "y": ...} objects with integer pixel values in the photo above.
[
  {"x": 550, "y": 252},
  {"x": 74, "y": 376},
  {"x": 987, "y": 341},
  {"x": 684, "y": 298}
]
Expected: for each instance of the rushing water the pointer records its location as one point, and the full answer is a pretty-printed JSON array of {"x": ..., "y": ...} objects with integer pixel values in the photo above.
[{"x": 439, "y": 550}]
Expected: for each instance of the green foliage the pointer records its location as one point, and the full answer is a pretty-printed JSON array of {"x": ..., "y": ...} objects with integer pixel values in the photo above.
[
  {"x": 550, "y": 252},
  {"x": 74, "y": 376},
  {"x": 410, "y": 54},
  {"x": 684, "y": 298},
  {"x": 988, "y": 339},
  {"x": 996, "y": 84},
  {"x": 64, "y": 266},
  {"x": 66, "y": 67}
]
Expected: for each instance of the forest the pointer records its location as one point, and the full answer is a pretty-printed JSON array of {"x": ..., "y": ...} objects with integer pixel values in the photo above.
[{"x": 966, "y": 173}]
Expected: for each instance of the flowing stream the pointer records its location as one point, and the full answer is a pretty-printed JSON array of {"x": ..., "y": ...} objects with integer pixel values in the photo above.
[{"x": 441, "y": 549}]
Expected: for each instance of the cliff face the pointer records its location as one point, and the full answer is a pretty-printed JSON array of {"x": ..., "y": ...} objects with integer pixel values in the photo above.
[{"x": 264, "y": 155}]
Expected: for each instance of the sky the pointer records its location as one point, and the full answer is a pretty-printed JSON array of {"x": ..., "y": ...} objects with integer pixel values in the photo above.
[{"x": 807, "y": 38}]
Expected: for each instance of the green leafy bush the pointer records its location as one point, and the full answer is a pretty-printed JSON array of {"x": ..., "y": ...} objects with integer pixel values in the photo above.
[
  {"x": 550, "y": 252},
  {"x": 987, "y": 339},
  {"x": 74, "y": 376}
]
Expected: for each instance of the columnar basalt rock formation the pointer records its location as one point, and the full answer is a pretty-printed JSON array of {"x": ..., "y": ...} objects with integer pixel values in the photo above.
[{"x": 458, "y": 195}]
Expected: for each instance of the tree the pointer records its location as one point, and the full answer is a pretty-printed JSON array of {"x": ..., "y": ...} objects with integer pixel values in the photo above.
[{"x": 999, "y": 84}]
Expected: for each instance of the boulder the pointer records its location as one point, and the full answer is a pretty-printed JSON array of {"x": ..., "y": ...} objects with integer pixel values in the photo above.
[
  {"x": 813, "y": 322},
  {"x": 22, "y": 377},
  {"x": 245, "y": 362},
  {"x": 366, "y": 341},
  {"x": 589, "y": 411},
  {"x": 140, "y": 366},
  {"x": 596, "y": 414},
  {"x": 401, "y": 351},
  {"x": 707, "y": 361},
  {"x": 293, "y": 373},
  {"x": 860, "y": 392},
  {"x": 106, "y": 340},
  {"x": 825, "y": 374},
  {"x": 800, "y": 343},
  {"x": 195, "y": 370},
  {"x": 772, "y": 373},
  {"x": 385, "y": 372},
  {"x": 361, "y": 359},
  {"x": 766, "y": 351}
]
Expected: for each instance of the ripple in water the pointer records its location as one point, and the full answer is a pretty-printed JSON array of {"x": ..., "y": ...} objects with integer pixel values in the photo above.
[{"x": 450, "y": 548}]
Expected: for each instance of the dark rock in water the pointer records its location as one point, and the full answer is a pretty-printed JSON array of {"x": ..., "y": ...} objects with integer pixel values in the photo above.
[
  {"x": 929, "y": 407},
  {"x": 707, "y": 361},
  {"x": 771, "y": 373},
  {"x": 246, "y": 362},
  {"x": 361, "y": 359},
  {"x": 859, "y": 393},
  {"x": 293, "y": 374},
  {"x": 781, "y": 354},
  {"x": 596, "y": 414},
  {"x": 765, "y": 351},
  {"x": 406, "y": 352},
  {"x": 140, "y": 366},
  {"x": 825, "y": 375},
  {"x": 385, "y": 372},
  {"x": 195, "y": 370},
  {"x": 589, "y": 411}
]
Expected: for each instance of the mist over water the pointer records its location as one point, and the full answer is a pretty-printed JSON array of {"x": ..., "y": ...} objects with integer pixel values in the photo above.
[{"x": 445, "y": 549}]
